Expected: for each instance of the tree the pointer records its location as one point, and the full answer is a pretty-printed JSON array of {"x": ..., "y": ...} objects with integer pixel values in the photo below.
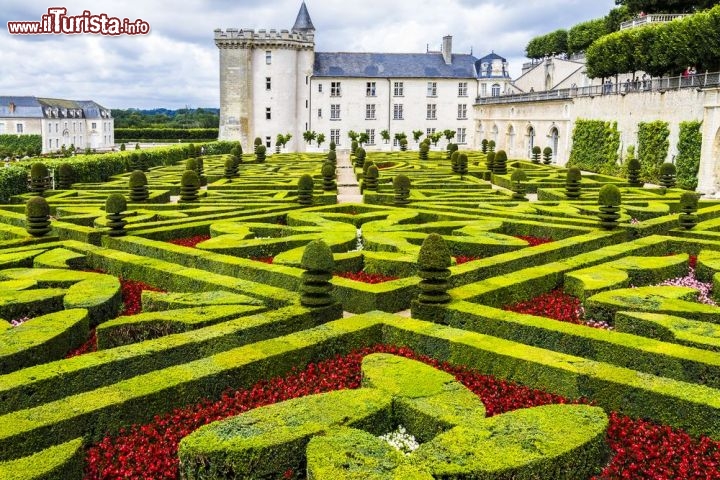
[
  {"x": 363, "y": 138},
  {"x": 417, "y": 134},
  {"x": 449, "y": 134},
  {"x": 353, "y": 135},
  {"x": 320, "y": 139},
  {"x": 666, "y": 6},
  {"x": 435, "y": 137},
  {"x": 309, "y": 136},
  {"x": 385, "y": 134}
]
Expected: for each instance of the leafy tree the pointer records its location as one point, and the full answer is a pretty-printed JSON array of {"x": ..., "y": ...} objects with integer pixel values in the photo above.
[
  {"x": 320, "y": 139},
  {"x": 363, "y": 138},
  {"x": 385, "y": 134},
  {"x": 309, "y": 136},
  {"x": 435, "y": 137},
  {"x": 666, "y": 6},
  {"x": 582, "y": 35},
  {"x": 353, "y": 135},
  {"x": 417, "y": 134},
  {"x": 448, "y": 134}
]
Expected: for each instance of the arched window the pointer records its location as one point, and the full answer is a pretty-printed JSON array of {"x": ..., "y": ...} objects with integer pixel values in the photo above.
[
  {"x": 548, "y": 82},
  {"x": 495, "y": 132},
  {"x": 511, "y": 138},
  {"x": 530, "y": 140},
  {"x": 554, "y": 142},
  {"x": 496, "y": 90}
]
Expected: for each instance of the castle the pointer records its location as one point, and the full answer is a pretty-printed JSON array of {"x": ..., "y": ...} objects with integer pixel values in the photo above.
[{"x": 276, "y": 83}]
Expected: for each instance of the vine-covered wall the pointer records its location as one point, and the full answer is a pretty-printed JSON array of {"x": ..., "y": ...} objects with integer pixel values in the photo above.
[
  {"x": 595, "y": 146},
  {"x": 688, "y": 157},
  {"x": 653, "y": 147}
]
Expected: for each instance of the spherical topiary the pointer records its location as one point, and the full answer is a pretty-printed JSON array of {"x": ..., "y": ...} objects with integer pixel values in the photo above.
[
  {"x": 370, "y": 180},
  {"x": 423, "y": 152},
  {"x": 39, "y": 170},
  {"x": 500, "y": 167},
  {"x": 143, "y": 162},
  {"x": 115, "y": 203},
  {"x": 257, "y": 142},
  {"x": 518, "y": 176},
  {"x": 332, "y": 157},
  {"x": 39, "y": 178},
  {"x": 353, "y": 147},
  {"x": 609, "y": 199},
  {"x": 189, "y": 186},
  {"x": 260, "y": 152},
  {"x": 306, "y": 184},
  {"x": 318, "y": 263},
  {"x": 536, "y": 151},
  {"x": 191, "y": 164},
  {"x": 403, "y": 144},
  {"x": 668, "y": 174},
  {"x": 433, "y": 262},
  {"x": 572, "y": 183},
  {"x": 490, "y": 161},
  {"x": 134, "y": 161},
  {"x": 484, "y": 145},
  {"x": 328, "y": 174},
  {"x": 688, "y": 207},
  {"x": 37, "y": 213},
  {"x": 236, "y": 153},
  {"x": 491, "y": 146},
  {"x": 454, "y": 161},
  {"x": 547, "y": 155},
  {"x": 230, "y": 168},
  {"x": 201, "y": 171},
  {"x": 401, "y": 185},
  {"x": 332, "y": 146},
  {"x": 462, "y": 164},
  {"x": 66, "y": 176},
  {"x": 633, "y": 172},
  {"x": 367, "y": 164},
  {"x": 360, "y": 155},
  {"x": 451, "y": 147},
  {"x": 138, "y": 186}
]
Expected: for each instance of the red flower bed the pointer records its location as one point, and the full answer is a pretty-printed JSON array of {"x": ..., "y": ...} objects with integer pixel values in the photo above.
[
  {"x": 533, "y": 241},
  {"x": 190, "y": 241},
  {"x": 641, "y": 450},
  {"x": 693, "y": 261},
  {"x": 460, "y": 259},
  {"x": 268, "y": 260},
  {"x": 131, "y": 292},
  {"x": 367, "y": 277},
  {"x": 556, "y": 304}
]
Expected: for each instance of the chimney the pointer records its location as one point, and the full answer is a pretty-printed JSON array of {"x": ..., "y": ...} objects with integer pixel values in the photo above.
[{"x": 447, "y": 49}]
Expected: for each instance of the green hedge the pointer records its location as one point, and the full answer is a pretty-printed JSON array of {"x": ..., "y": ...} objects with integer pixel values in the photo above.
[
  {"x": 595, "y": 146},
  {"x": 688, "y": 158},
  {"x": 61, "y": 462},
  {"x": 20, "y": 145},
  {"x": 141, "y": 134},
  {"x": 653, "y": 147}
]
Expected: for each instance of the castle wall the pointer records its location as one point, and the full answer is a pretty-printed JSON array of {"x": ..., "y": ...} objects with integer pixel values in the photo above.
[{"x": 236, "y": 112}]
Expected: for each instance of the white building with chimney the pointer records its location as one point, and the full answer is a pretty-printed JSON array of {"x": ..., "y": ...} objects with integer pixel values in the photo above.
[{"x": 274, "y": 82}]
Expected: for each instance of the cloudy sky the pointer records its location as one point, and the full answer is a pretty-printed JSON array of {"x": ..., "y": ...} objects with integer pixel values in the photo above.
[{"x": 176, "y": 64}]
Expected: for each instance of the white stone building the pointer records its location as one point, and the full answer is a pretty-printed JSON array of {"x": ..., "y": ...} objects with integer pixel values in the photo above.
[
  {"x": 275, "y": 83},
  {"x": 84, "y": 124}
]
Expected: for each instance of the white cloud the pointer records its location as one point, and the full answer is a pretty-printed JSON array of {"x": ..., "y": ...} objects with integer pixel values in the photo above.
[{"x": 177, "y": 63}]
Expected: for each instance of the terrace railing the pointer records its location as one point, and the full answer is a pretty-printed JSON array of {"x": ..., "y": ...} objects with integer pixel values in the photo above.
[{"x": 650, "y": 18}]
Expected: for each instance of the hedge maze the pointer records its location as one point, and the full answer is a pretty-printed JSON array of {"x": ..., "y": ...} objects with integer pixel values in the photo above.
[{"x": 219, "y": 282}]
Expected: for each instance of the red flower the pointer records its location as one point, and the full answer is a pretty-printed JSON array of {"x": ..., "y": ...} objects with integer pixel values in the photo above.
[
  {"x": 268, "y": 260},
  {"x": 533, "y": 241},
  {"x": 190, "y": 241},
  {"x": 367, "y": 277},
  {"x": 556, "y": 304},
  {"x": 460, "y": 259}
]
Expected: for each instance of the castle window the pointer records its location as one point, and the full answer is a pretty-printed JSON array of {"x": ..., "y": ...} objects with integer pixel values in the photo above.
[
  {"x": 268, "y": 113},
  {"x": 461, "y": 135},
  {"x": 268, "y": 83},
  {"x": 398, "y": 89},
  {"x": 371, "y": 136},
  {"x": 483, "y": 90},
  {"x": 496, "y": 90},
  {"x": 268, "y": 57},
  {"x": 335, "y": 112},
  {"x": 93, "y": 125},
  {"x": 319, "y": 87},
  {"x": 268, "y": 142},
  {"x": 432, "y": 89},
  {"x": 19, "y": 128},
  {"x": 334, "y": 89},
  {"x": 398, "y": 111},
  {"x": 49, "y": 127},
  {"x": 462, "y": 112},
  {"x": 335, "y": 135},
  {"x": 430, "y": 131},
  {"x": 462, "y": 89},
  {"x": 319, "y": 112},
  {"x": 431, "y": 111},
  {"x": 370, "y": 111},
  {"x": 370, "y": 89}
]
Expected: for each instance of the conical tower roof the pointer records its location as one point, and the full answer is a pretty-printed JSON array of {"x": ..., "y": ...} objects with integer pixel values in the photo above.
[{"x": 303, "y": 22}]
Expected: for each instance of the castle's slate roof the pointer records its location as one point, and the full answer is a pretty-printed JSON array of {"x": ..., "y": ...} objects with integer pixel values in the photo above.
[
  {"x": 493, "y": 56},
  {"x": 303, "y": 22},
  {"x": 34, "y": 107},
  {"x": 396, "y": 65}
]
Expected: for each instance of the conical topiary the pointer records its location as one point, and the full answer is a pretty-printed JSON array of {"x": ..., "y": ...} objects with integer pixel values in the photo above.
[
  {"x": 367, "y": 164},
  {"x": 490, "y": 161},
  {"x": 536, "y": 151},
  {"x": 201, "y": 171},
  {"x": 547, "y": 155},
  {"x": 236, "y": 153},
  {"x": 491, "y": 146},
  {"x": 191, "y": 164},
  {"x": 609, "y": 200},
  {"x": 451, "y": 147},
  {"x": 433, "y": 262},
  {"x": 360, "y": 157},
  {"x": 143, "y": 162},
  {"x": 484, "y": 146},
  {"x": 423, "y": 152},
  {"x": 305, "y": 190},
  {"x": 134, "y": 161},
  {"x": 260, "y": 152},
  {"x": 462, "y": 164},
  {"x": 518, "y": 176},
  {"x": 138, "y": 186},
  {"x": 332, "y": 157},
  {"x": 231, "y": 169},
  {"x": 401, "y": 185},
  {"x": 257, "y": 142},
  {"x": 370, "y": 180},
  {"x": 37, "y": 214},
  {"x": 39, "y": 178},
  {"x": 328, "y": 174},
  {"x": 403, "y": 144},
  {"x": 633, "y": 172},
  {"x": 114, "y": 206},
  {"x": 65, "y": 176},
  {"x": 315, "y": 286},
  {"x": 332, "y": 146},
  {"x": 688, "y": 206},
  {"x": 572, "y": 183},
  {"x": 500, "y": 163},
  {"x": 189, "y": 186},
  {"x": 354, "y": 145},
  {"x": 454, "y": 161},
  {"x": 668, "y": 174}
]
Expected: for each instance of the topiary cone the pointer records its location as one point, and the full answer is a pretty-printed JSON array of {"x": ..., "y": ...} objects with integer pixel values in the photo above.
[
  {"x": 39, "y": 178},
  {"x": 609, "y": 200},
  {"x": 500, "y": 163},
  {"x": 454, "y": 161},
  {"x": 37, "y": 214},
  {"x": 547, "y": 155},
  {"x": 65, "y": 176},
  {"x": 315, "y": 286},
  {"x": 633, "y": 172},
  {"x": 433, "y": 262},
  {"x": 490, "y": 161},
  {"x": 332, "y": 156},
  {"x": 370, "y": 180},
  {"x": 230, "y": 168},
  {"x": 201, "y": 171},
  {"x": 114, "y": 206},
  {"x": 462, "y": 164},
  {"x": 360, "y": 155},
  {"x": 423, "y": 152},
  {"x": 138, "y": 186},
  {"x": 668, "y": 174},
  {"x": 401, "y": 185},
  {"x": 518, "y": 176},
  {"x": 189, "y": 186},
  {"x": 328, "y": 174},
  {"x": 305, "y": 190},
  {"x": 688, "y": 206},
  {"x": 572, "y": 183},
  {"x": 536, "y": 152},
  {"x": 260, "y": 152}
]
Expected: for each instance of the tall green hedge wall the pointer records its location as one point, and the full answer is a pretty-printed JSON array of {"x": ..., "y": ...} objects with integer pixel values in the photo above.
[
  {"x": 688, "y": 157},
  {"x": 653, "y": 147},
  {"x": 20, "y": 145},
  {"x": 165, "y": 134},
  {"x": 595, "y": 146}
]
